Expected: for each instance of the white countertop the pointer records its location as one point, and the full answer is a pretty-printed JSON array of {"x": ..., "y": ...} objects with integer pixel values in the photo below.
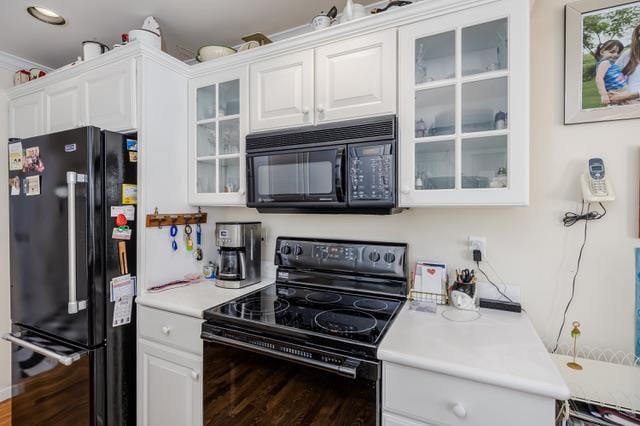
[
  {"x": 500, "y": 348},
  {"x": 193, "y": 299}
]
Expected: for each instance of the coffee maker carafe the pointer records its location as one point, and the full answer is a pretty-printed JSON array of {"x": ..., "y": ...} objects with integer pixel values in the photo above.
[{"x": 239, "y": 253}]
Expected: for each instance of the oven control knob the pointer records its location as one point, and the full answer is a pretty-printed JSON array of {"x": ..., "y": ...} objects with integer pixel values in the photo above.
[
  {"x": 389, "y": 257},
  {"x": 374, "y": 256},
  {"x": 299, "y": 250},
  {"x": 286, "y": 250}
]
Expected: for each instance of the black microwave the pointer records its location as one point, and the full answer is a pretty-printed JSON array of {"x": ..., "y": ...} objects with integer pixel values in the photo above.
[{"x": 346, "y": 167}]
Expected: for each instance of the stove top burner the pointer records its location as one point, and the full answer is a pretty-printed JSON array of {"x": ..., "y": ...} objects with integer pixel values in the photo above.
[
  {"x": 371, "y": 304},
  {"x": 323, "y": 297},
  {"x": 259, "y": 305},
  {"x": 345, "y": 321}
]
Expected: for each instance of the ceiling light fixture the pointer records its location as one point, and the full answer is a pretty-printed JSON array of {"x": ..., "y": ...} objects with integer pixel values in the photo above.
[{"x": 45, "y": 15}]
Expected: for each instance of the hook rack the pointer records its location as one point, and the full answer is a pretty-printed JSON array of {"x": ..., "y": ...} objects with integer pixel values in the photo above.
[{"x": 160, "y": 220}]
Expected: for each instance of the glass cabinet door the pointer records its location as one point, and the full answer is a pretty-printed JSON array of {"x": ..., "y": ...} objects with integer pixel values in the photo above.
[
  {"x": 461, "y": 79},
  {"x": 217, "y": 138}
]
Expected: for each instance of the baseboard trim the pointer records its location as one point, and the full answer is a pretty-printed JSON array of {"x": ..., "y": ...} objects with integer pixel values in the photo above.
[{"x": 5, "y": 393}]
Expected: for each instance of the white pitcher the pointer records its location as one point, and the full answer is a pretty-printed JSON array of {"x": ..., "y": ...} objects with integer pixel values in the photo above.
[{"x": 352, "y": 11}]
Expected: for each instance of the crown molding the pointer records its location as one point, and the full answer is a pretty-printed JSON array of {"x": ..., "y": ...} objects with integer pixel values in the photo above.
[{"x": 14, "y": 63}]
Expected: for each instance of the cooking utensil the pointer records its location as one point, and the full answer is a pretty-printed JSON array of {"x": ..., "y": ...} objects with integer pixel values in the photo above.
[
  {"x": 207, "y": 53},
  {"x": 321, "y": 21},
  {"x": 333, "y": 12},
  {"x": 146, "y": 37},
  {"x": 249, "y": 45}
]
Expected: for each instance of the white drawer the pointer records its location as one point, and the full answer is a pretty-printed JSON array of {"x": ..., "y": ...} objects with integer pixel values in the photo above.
[
  {"x": 168, "y": 328},
  {"x": 390, "y": 419},
  {"x": 446, "y": 400}
]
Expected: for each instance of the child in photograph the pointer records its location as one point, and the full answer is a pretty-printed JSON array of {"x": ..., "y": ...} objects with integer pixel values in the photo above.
[{"x": 610, "y": 79}]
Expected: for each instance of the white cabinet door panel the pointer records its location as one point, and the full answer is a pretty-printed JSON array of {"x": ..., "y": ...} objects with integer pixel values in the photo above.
[
  {"x": 356, "y": 77},
  {"x": 282, "y": 91},
  {"x": 26, "y": 116},
  {"x": 64, "y": 106},
  {"x": 111, "y": 96},
  {"x": 171, "y": 386}
]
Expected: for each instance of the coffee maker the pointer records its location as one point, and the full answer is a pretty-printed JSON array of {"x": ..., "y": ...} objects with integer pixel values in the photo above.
[{"x": 239, "y": 253}]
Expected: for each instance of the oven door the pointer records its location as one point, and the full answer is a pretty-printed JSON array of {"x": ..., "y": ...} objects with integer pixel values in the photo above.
[
  {"x": 297, "y": 178},
  {"x": 244, "y": 384}
]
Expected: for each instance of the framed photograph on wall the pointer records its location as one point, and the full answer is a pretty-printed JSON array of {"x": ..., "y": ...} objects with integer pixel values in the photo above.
[{"x": 602, "y": 60}]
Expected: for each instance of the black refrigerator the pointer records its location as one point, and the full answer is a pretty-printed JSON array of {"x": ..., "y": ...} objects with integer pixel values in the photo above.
[{"x": 70, "y": 365}]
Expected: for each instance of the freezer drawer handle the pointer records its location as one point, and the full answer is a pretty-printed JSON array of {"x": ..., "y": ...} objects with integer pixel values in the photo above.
[
  {"x": 62, "y": 359},
  {"x": 74, "y": 305}
]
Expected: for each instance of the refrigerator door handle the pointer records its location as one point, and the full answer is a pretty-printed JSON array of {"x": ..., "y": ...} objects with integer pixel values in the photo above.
[
  {"x": 62, "y": 359},
  {"x": 74, "y": 305}
]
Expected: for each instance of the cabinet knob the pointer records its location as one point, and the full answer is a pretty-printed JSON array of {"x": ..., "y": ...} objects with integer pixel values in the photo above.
[
  {"x": 241, "y": 192},
  {"x": 320, "y": 108},
  {"x": 195, "y": 375},
  {"x": 406, "y": 189},
  {"x": 459, "y": 410},
  {"x": 166, "y": 330},
  {"x": 305, "y": 110}
]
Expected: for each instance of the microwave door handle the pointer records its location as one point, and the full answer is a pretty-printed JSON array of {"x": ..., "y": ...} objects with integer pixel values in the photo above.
[
  {"x": 305, "y": 174},
  {"x": 339, "y": 173}
]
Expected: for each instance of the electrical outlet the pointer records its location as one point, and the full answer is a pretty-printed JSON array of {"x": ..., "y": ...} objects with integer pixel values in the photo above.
[{"x": 478, "y": 243}]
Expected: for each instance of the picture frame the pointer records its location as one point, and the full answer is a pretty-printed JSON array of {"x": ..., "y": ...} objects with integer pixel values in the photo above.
[{"x": 608, "y": 24}]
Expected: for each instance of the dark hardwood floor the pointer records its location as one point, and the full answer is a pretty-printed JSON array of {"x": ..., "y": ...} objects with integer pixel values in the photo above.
[{"x": 5, "y": 413}]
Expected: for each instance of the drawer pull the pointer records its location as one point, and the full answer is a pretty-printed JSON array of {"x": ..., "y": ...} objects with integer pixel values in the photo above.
[
  {"x": 195, "y": 375},
  {"x": 459, "y": 410},
  {"x": 166, "y": 330}
]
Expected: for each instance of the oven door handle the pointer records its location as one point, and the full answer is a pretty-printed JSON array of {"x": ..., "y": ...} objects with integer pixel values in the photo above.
[
  {"x": 62, "y": 359},
  {"x": 348, "y": 369}
]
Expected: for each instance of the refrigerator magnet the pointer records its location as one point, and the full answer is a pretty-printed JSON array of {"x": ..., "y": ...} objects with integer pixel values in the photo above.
[
  {"x": 15, "y": 156},
  {"x": 132, "y": 145},
  {"x": 14, "y": 185},
  {"x": 32, "y": 161},
  {"x": 133, "y": 156},
  {"x": 121, "y": 233},
  {"x": 32, "y": 185},
  {"x": 129, "y": 212},
  {"x": 122, "y": 311},
  {"x": 129, "y": 194}
]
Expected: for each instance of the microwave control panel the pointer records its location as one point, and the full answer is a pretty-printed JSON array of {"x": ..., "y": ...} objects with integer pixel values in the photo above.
[{"x": 371, "y": 173}]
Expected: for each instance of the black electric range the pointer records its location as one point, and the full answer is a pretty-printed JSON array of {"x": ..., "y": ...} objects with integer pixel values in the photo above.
[{"x": 318, "y": 325}]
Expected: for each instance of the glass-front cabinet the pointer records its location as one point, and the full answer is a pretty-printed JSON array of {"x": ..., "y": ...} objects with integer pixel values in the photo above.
[
  {"x": 463, "y": 107},
  {"x": 217, "y": 128}
]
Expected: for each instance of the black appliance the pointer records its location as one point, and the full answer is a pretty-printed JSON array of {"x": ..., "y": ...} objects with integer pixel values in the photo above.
[
  {"x": 303, "y": 350},
  {"x": 69, "y": 365},
  {"x": 346, "y": 167}
]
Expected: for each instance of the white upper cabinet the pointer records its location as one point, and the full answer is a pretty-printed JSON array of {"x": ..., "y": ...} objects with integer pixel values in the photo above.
[
  {"x": 64, "y": 106},
  {"x": 26, "y": 116},
  {"x": 282, "y": 91},
  {"x": 356, "y": 77},
  {"x": 111, "y": 97},
  {"x": 351, "y": 78},
  {"x": 217, "y": 130},
  {"x": 463, "y": 107}
]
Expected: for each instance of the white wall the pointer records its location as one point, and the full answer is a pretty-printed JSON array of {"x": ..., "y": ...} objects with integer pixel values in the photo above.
[
  {"x": 529, "y": 246},
  {"x": 6, "y": 80}
]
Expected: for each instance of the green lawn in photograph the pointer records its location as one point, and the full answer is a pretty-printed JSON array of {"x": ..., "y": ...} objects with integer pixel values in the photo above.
[{"x": 590, "y": 95}]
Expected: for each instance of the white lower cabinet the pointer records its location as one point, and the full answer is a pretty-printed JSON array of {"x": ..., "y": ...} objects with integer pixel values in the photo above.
[
  {"x": 413, "y": 397},
  {"x": 169, "y": 369}
]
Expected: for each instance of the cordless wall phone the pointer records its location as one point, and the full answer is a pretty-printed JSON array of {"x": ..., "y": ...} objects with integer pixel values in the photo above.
[{"x": 595, "y": 187}]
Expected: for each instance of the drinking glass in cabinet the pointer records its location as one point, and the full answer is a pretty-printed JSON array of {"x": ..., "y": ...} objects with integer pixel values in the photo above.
[
  {"x": 229, "y": 175},
  {"x": 229, "y": 136},
  {"x": 485, "y": 47},
  {"x": 206, "y": 102},
  {"x": 206, "y": 176},
  {"x": 435, "y": 112},
  {"x": 435, "y": 57},
  {"x": 484, "y": 105},
  {"x": 435, "y": 165},
  {"x": 484, "y": 162},
  {"x": 206, "y": 139},
  {"x": 229, "y": 98}
]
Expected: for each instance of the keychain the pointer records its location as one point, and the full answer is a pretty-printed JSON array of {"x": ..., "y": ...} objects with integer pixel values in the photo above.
[
  {"x": 173, "y": 231},
  {"x": 198, "y": 252},
  {"x": 187, "y": 237}
]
